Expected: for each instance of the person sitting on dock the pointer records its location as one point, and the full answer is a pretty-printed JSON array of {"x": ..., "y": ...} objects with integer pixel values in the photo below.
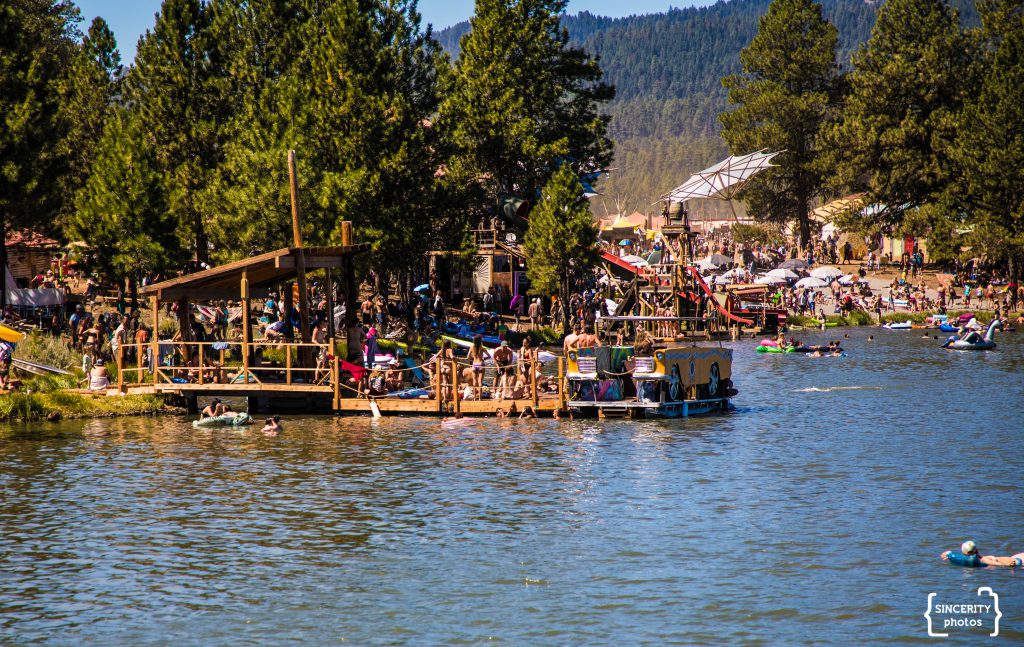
[
  {"x": 99, "y": 379},
  {"x": 212, "y": 410}
]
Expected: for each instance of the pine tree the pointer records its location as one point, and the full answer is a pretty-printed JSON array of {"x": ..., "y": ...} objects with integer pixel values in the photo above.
[
  {"x": 121, "y": 211},
  {"x": 87, "y": 98},
  {"x": 561, "y": 241},
  {"x": 787, "y": 92},
  {"x": 174, "y": 90},
  {"x": 909, "y": 81},
  {"x": 989, "y": 148},
  {"x": 522, "y": 100},
  {"x": 37, "y": 42},
  {"x": 362, "y": 96}
]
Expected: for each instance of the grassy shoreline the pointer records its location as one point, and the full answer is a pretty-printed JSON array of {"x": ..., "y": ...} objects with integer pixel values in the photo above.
[
  {"x": 60, "y": 404},
  {"x": 861, "y": 318}
]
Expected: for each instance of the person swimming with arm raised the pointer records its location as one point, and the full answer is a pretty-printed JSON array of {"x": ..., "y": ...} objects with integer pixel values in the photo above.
[{"x": 970, "y": 557}]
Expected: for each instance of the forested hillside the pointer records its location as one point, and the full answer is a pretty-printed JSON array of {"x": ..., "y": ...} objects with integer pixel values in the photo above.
[{"x": 667, "y": 70}]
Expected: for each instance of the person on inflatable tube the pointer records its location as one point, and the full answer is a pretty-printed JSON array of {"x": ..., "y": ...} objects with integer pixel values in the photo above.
[{"x": 969, "y": 556}]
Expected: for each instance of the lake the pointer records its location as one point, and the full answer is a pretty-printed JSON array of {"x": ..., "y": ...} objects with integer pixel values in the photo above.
[{"x": 815, "y": 512}]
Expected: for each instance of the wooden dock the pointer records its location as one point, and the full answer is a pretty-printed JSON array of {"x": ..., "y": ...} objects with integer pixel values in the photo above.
[{"x": 287, "y": 383}]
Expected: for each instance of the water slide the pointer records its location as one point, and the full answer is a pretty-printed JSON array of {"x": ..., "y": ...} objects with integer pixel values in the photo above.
[
  {"x": 650, "y": 276},
  {"x": 711, "y": 297}
]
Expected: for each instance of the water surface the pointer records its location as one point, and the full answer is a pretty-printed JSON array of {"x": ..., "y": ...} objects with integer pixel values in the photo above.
[{"x": 813, "y": 513}]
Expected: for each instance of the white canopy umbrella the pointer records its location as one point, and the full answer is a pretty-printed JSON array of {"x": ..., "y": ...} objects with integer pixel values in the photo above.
[
  {"x": 783, "y": 274},
  {"x": 722, "y": 280},
  {"x": 705, "y": 265},
  {"x": 769, "y": 280},
  {"x": 633, "y": 259},
  {"x": 827, "y": 272},
  {"x": 849, "y": 279},
  {"x": 811, "y": 282},
  {"x": 723, "y": 180}
]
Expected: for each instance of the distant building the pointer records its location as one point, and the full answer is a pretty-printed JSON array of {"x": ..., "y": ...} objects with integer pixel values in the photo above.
[{"x": 29, "y": 253}]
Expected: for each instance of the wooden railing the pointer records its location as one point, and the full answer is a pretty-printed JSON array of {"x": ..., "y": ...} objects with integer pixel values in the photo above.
[
  {"x": 214, "y": 366},
  {"x": 216, "y": 370}
]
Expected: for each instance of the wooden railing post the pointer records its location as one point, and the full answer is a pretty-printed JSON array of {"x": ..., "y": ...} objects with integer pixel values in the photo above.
[
  {"x": 438, "y": 390},
  {"x": 120, "y": 368},
  {"x": 154, "y": 342},
  {"x": 202, "y": 362},
  {"x": 287, "y": 364},
  {"x": 336, "y": 382},
  {"x": 455, "y": 387}
]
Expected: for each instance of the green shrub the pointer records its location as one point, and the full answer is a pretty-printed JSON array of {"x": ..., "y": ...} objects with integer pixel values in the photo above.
[
  {"x": 27, "y": 406},
  {"x": 860, "y": 318},
  {"x": 903, "y": 317},
  {"x": 546, "y": 336},
  {"x": 52, "y": 351},
  {"x": 801, "y": 320}
]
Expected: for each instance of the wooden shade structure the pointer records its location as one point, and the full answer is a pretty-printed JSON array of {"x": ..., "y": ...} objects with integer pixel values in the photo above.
[{"x": 261, "y": 272}]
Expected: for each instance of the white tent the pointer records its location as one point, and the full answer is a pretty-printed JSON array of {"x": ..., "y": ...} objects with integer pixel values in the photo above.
[{"x": 35, "y": 298}]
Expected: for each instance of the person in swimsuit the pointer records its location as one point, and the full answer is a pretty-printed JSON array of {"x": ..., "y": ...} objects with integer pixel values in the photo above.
[
  {"x": 503, "y": 358},
  {"x": 477, "y": 356},
  {"x": 970, "y": 556}
]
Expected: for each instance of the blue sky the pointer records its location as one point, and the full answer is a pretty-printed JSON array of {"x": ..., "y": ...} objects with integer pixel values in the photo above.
[{"x": 130, "y": 18}]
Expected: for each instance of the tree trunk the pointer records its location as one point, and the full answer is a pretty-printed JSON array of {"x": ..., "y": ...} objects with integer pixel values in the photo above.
[
  {"x": 3, "y": 262},
  {"x": 805, "y": 223},
  {"x": 133, "y": 290},
  {"x": 199, "y": 232}
]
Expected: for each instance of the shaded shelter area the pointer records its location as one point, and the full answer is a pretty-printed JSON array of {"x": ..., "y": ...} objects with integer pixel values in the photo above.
[{"x": 240, "y": 282}]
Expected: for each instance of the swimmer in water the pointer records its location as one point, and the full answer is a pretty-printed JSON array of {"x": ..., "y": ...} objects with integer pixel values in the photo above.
[
  {"x": 272, "y": 425},
  {"x": 969, "y": 556}
]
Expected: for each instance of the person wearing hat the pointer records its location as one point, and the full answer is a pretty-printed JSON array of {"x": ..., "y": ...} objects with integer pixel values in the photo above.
[
  {"x": 969, "y": 556},
  {"x": 99, "y": 379},
  {"x": 503, "y": 358},
  {"x": 214, "y": 409}
]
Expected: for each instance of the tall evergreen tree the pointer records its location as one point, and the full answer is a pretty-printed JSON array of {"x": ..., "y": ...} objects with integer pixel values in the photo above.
[
  {"x": 908, "y": 83},
  {"x": 561, "y": 240},
  {"x": 37, "y": 42},
  {"x": 122, "y": 210},
  {"x": 787, "y": 92},
  {"x": 87, "y": 98},
  {"x": 174, "y": 90},
  {"x": 989, "y": 148},
  {"x": 522, "y": 99}
]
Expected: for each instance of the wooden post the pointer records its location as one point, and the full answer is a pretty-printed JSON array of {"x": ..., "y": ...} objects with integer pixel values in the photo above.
[
  {"x": 201, "y": 360},
  {"x": 455, "y": 387},
  {"x": 246, "y": 328},
  {"x": 438, "y": 363},
  {"x": 154, "y": 342},
  {"x": 330, "y": 307},
  {"x": 533, "y": 380},
  {"x": 287, "y": 363},
  {"x": 562, "y": 400},
  {"x": 349, "y": 275},
  {"x": 300, "y": 260},
  {"x": 120, "y": 367},
  {"x": 336, "y": 382}
]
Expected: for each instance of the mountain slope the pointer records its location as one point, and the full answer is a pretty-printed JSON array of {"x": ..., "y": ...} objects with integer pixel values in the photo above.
[{"x": 667, "y": 70}]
